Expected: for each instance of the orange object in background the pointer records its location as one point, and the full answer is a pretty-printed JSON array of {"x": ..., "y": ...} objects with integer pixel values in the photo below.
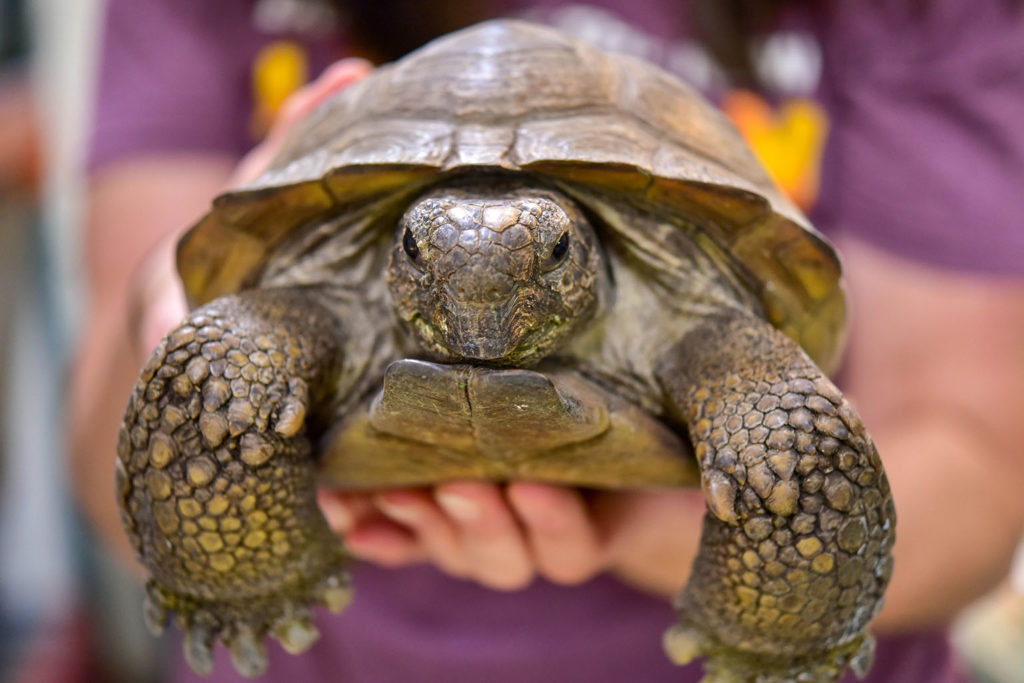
[
  {"x": 788, "y": 140},
  {"x": 20, "y": 150},
  {"x": 279, "y": 69}
]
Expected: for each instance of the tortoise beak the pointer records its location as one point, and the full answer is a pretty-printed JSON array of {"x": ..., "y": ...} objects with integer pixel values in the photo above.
[{"x": 483, "y": 332}]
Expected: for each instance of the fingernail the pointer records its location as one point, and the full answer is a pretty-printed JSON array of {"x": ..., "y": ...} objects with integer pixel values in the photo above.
[
  {"x": 462, "y": 509},
  {"x": 337, "y": 515},
  {"x": 396, "y": 511}
]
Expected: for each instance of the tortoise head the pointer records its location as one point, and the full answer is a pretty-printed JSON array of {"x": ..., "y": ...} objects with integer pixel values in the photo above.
[{"x": 495, "y": 274}]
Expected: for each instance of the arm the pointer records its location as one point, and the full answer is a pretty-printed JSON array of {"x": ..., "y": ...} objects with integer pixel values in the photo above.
[
  {"x": 19, "y": 146},
  {"x": 133, "y": 205},
  {"x": 936, "y": 369}
]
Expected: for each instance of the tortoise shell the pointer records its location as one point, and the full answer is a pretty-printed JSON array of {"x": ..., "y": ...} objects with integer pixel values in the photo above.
[{"x": 513, "y": 96}]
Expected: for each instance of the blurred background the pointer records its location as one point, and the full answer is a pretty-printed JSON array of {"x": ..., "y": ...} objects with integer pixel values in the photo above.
[{"x": 67, "y": 613}]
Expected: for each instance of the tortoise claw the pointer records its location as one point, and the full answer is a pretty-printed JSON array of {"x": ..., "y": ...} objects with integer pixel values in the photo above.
[
  {"x": 720, "y": 494},
  {"x": 154, "y": 614},
  {"x": 687, "y": 640},
  {"x": 682, "y": 644},
  {"x": 198, "y": 648},
  {"x": 243, "y": 625},
  {"x": 248, "y": 653},
  {"x": 292, "y": 414},
  {"x": 334, "y": 592},
  {"x": 296, "y": 633},
  {"x": 864, "y": 658}
]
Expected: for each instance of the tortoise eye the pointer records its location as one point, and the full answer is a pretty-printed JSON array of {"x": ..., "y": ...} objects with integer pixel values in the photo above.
[
  {"x": 561, "y": 248},
  {"x": 409, "y": 244}
]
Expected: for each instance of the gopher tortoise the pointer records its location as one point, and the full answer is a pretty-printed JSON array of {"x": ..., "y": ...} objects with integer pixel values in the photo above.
[{"x": 510, "y": 256}]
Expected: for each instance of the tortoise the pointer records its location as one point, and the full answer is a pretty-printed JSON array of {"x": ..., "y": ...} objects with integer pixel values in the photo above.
[{"x": 510, "y": 255}]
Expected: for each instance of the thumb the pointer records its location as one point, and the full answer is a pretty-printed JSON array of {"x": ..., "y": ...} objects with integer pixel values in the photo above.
[{"x": 157, "y": 300}]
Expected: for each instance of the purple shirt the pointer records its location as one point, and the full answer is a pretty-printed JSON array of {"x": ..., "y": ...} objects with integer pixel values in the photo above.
[
  {"x": 418, "y": 626},
  {"x": 925, "y": 158},
  {"x": 926, "y": 153},
  {"x": 176, "y": 77}
]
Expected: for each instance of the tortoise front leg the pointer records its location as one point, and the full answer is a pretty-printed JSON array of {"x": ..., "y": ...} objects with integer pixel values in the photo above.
[
  {"x": 215, "y": 479},
  {"x": 795, "y": 555}
]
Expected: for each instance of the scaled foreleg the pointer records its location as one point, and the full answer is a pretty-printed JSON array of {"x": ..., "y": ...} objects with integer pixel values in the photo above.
[{"x": 796, "y": 550}]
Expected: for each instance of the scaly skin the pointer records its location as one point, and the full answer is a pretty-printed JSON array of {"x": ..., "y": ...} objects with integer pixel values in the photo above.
[
  {"x": 215, "y": 479},
  {"x": 795, "y": 555},
  {"x": 484, "y": 280}
]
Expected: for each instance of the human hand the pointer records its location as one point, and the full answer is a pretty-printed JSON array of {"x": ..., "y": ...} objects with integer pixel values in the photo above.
[
  {"x": 504, "y": 536},
  {"x": 157, "y": 301}
]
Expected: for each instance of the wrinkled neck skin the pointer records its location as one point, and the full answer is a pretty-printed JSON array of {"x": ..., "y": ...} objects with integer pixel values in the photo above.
[{"x": 496, "y": 273}]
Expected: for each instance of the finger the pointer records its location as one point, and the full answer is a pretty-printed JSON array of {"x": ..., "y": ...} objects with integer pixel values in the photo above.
[
  {"x": 651, "y": 537},
  {"x": 345, "y": 511},
  {"x": 368, "y": 534},
  {"x": 630, "y": 518},
  {"x": 563, "y": 539},
  {"x": 492, "y": 543},
  {"x": 157, "y": 301},
  {"x": 435, "y": 532},
  {"x": 334, "y": 78},
  {"x": 385, "y": 543},
  {"x": 298, "y": 105}
]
